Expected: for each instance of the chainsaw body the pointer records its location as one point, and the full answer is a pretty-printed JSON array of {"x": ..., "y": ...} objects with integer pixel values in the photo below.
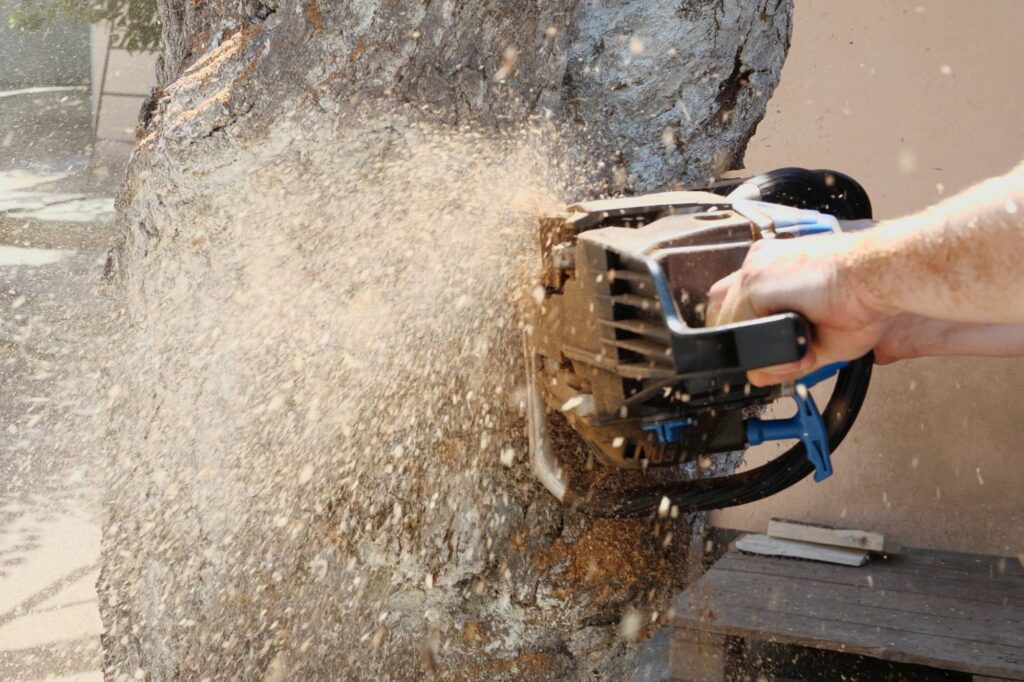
[{"x": 619, "y": 352}]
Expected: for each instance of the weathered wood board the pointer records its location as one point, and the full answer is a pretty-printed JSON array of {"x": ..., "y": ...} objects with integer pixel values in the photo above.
[{"x": 943, "y": 610}]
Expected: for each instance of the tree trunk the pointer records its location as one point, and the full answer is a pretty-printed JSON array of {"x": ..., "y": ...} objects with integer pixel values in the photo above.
[{"x": 329, "y": 222}]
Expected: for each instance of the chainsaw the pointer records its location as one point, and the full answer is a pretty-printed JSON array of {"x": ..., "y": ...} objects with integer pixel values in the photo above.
[{"x": 634, "y": 405}]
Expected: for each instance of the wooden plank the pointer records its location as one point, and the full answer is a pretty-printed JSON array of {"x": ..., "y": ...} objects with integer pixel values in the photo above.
[
  {"x": 984, "y": 593},
  {"x": 958, "y": 619},
  {"x": 768, "y": 546},
  {"x": 995, "y": 569},
  {"x": 653, "y": 658},
  {"x": 975, "y": 568},
  {"x": 820, "y": 631},
  {"x": 860, "y": 604},
  {"x": 911, "y": 602},
  {"x": 825, "y": 535},
  {"x": 880, "y": 576},
  {"x": 988, "y": 575},
  {"x": 697, "y": 656},
  {"x": 981, "y": 563}
]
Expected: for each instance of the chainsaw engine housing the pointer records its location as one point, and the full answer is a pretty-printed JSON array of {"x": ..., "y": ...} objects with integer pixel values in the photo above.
[{"x": 619, "y": 345}]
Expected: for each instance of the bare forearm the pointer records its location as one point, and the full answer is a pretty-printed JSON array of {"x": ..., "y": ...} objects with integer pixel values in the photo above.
[
  {"x": 910, "y": 336},
  {"x": 962, "y": 260}
]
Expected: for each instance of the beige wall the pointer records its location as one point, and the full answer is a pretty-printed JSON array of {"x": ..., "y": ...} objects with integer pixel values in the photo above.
[
  {"x": 121, "y": 82},
  {"x": 906, "y": 96}
]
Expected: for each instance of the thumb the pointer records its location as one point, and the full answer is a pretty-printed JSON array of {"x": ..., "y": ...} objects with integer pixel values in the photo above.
[{"x": 735, "y": 307}]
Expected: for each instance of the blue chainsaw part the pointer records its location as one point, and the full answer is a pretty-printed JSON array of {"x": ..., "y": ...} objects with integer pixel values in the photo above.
[
  {"x": 668, "y": 431},
  {"x": 798, "y": 222},
  {"x": 805, "y": 229},
  {"x": 821, "y": 374},
  {"x": 806, "y": 425}
]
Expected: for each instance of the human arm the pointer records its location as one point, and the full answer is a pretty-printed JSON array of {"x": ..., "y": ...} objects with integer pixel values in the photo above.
[
  {"x": 911, "y": 336},
  {"x": 947, "y": 280}
]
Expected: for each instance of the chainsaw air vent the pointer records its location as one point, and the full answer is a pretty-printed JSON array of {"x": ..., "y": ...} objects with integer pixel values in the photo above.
[{"x": 633, "y": 326}]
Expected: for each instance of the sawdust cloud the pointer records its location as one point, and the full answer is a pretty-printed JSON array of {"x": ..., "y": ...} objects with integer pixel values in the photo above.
[{"x": 314, "y": 399}]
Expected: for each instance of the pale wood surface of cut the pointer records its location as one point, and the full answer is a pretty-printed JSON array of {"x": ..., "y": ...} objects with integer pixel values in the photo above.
[
  {"x": 837, "y": 537},
  {"x": 794, "y": 549}
]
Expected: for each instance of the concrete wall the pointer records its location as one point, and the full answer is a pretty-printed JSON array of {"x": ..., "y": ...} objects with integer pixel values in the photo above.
[
  {"x": 917, "y": 99},
  {"x": 55, "y": 55}
]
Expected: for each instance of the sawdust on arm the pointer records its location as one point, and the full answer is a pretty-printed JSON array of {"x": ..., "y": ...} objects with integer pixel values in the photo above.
[
  {"x": 946, "y": 281},
  {"x": 961, "y": 260}
]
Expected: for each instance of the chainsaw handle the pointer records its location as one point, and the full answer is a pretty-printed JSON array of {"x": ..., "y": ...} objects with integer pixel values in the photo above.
[
  {"x": 827, "y": 197},
  {"x": 752, "y": 344},
  {"x": 737, "y": 347}
]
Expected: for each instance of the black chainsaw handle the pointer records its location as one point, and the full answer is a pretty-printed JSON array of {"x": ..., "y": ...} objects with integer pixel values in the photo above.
[
  {"x": 752, "y": 344},
  {"x": 824, "y": 190},
  {"x": 741, "y": 346}
]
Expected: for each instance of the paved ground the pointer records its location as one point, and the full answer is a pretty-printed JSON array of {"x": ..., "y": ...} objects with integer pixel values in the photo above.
[{"x": 55, "y": 229}]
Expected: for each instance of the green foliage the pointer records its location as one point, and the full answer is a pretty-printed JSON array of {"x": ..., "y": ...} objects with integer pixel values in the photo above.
[{"x": 135, "y": 24}]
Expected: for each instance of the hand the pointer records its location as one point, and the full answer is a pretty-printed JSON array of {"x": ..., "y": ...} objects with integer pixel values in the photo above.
[{"x": 810, "y": 276}]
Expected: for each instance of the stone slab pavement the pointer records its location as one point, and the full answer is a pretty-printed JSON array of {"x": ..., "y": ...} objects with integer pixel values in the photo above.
[{"x": 53, "y": 244}]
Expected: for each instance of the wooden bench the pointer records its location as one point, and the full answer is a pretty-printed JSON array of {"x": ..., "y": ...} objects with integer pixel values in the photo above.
[{"x": 946, "y": 611}]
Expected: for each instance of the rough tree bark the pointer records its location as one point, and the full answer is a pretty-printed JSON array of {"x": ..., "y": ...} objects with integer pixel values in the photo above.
[{"x": 240, "y": 544}]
